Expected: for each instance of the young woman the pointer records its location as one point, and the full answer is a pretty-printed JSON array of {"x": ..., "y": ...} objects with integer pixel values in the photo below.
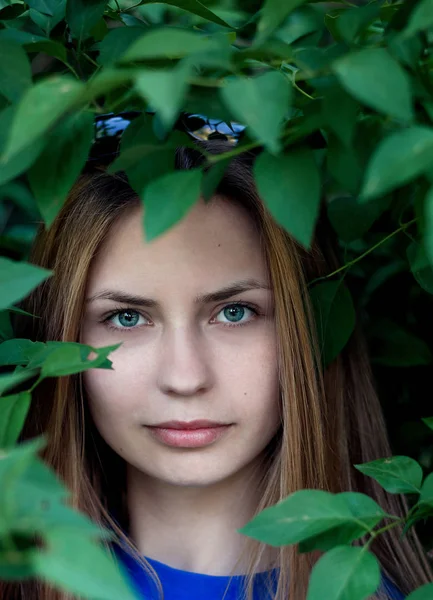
[{"x": 215, "y": 326}]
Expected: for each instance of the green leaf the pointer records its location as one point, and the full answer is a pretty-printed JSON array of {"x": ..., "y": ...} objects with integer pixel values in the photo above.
[
  {"x": 421, "y": 18},
  {"x": 426, "y": 496},
  {"x": 344, "y": 573},
  {"x": 168, "y": 199},
  {"x": 429, "y": 422},
  {"x": 46, "y": 7},
  {"x": 290, "y": 187},
  {"x": 420, "y": 266},
  {"x": 11, "y": 167},
  {"x": 335, "y": 317},
  {"x": 164, "y": 90},
  {"x": 344, "y": 165},
  {"x": 195, "y": 7},
  {"x": 17, "y": 280},
  {"x": 19, "y": 351},
  {"x": 116, "y": 42},
  {"x": 354, "y": 20},
  {"x": 351, "y": 219},
  {"x": 428, "y": 234},
  {"x": 58, "y": 166},
  {"x": 425, "y": 592},
  {"x": 6, "y": 331},
  {"x": 340, "y": 112},
  {"x": 316, "y": 519},
  {"x": 213, "y": 176},
  {"x": 377, "y": 80},
  {"x": 399, "y": 158},
  {"x": 394, "y": 346},
  {"x": 48, "y": 22},
  {"x": 69, "y": 358},
  {"x": 299, "y": 23},
  {"x": 80, "y": 566},
  {"x": 171, "y": 43},
  {"x": 13, "y": 412},
  {"x": 11, "y": 380},
  {"x": 41, "y": 106},
  {"x": 246, "y": 97},
  {"x": 396, "y": 474},
  {"x": 15, "y": 72},
  {"x": 272, "y": 16},
  {"x": 83, "y": 15}
]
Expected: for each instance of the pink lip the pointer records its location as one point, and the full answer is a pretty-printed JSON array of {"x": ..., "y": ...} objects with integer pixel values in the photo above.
[
  {"x": 197, "y": 424},
  {"x": 189, "y": 438}
]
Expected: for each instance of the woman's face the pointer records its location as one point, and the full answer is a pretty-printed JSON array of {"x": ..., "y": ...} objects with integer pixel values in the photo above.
[{"x": 192, "y": 347}]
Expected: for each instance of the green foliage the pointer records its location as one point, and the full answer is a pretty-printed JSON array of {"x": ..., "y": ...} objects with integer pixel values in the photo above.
[{"x": 339, "y": 98}]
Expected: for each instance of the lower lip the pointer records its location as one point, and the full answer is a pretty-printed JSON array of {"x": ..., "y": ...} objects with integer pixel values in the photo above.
[{"x": 188, "y": 438}]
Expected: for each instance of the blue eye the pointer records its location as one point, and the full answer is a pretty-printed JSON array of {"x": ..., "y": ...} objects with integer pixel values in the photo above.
[
  {"x": 235, "y": 313},
  {"x": 127, "y": 318}
]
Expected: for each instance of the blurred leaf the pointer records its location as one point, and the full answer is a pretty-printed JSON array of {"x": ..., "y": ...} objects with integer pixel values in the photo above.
[
  {"x": 17, "y": 279},
  {"x": 354, "y": 20},
  {"x": 46, "y": 7},
  {"x": 168, "y": 199},
  {"x": 300, "y": 22},
  {"x": 377, "y": 80},
  {"x": 344, "y": 573},
  {"x": 165, "y": 91},
  {"x": 344, "y": 165},
  {"x": 421, "y": 18},
  {"x": 396, "y": 474},
  {"x": 18, "y": 193},
  {"x": 425, "y": 592},
  {"x": 272, "y": 15},
  {"x": 6, "y": 331},
  {"x": 39, "y": 109},
  {"x": 420, "y": 266},
  {"x": 428, "y": 235},
  {"x": 394, "y": 346},
  {"x": 13, "y": 411},
  {"x": 426, "y": 496},
  {"x": 58, "y": 166},
  {"x": 83, "y": 15},
  {"x": 350, "y": 219},
  {"x": 195, "y": 7},
  {"x": 246, "y": 97},
  {"x": 19, "y": 351},
  {"x": 11, "y": 380},
  {"x": 80, "y": 566},
  {"x": 399, "y": 158},
  {"x": 171, "y": 43},
  {"x": 15, "y": 72},
  {"x": 315, "y": 518},
  {"x": 335, "y": 317},
  {"x": 213, "y": 176},
  {"x": 11, "y": 167},
  {"x": 290, "y": 187},
  {"x": 116, "y": 42},
  {"x": 340, "y": 112},
  {"x": 45, "y": 21},
  {"x": 429, "y": 422}
]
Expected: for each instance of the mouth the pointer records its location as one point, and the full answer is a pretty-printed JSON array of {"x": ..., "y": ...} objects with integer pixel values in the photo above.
[{"x": 189, "y": 438}]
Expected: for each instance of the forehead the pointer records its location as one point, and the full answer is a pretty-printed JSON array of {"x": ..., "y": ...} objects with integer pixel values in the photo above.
[{"x": 215, "y": 242}]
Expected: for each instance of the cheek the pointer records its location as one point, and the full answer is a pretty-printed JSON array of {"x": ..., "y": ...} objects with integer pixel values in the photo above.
[{"x": 115, "y": 395}]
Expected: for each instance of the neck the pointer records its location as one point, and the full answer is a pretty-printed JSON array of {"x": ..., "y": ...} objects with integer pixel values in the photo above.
[{"x": 193, "y": 528}]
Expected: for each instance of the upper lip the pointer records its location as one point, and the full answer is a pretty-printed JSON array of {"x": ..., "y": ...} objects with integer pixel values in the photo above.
[{"x": 198, "y": 424}]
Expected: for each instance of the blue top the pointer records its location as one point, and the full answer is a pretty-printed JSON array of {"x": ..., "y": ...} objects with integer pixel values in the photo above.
[{"x": 185, "y": 585}]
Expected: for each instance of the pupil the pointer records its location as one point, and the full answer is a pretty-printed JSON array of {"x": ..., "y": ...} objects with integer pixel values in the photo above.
[
  {"x": 131, "y": 318},
  {"x": 234, "y": 313}
]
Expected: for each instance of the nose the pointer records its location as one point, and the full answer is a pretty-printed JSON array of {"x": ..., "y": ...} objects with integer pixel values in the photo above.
[{"x": 183, "y": 367}]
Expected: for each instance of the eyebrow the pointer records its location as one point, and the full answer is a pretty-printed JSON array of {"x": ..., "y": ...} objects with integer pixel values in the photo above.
[{"x": 219, "y": 295}]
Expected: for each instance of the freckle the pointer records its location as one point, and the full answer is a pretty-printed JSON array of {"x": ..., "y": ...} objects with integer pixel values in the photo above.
[
  {"x": 245, "y": 393},
  {"x": 219, "y": 245}
]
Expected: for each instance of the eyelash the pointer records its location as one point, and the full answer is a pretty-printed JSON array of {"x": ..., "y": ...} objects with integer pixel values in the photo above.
[{"x": 120, "y": 310}]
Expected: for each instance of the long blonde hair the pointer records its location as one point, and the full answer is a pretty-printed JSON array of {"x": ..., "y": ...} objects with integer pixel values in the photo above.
[{"x": 331, "y": 420}]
